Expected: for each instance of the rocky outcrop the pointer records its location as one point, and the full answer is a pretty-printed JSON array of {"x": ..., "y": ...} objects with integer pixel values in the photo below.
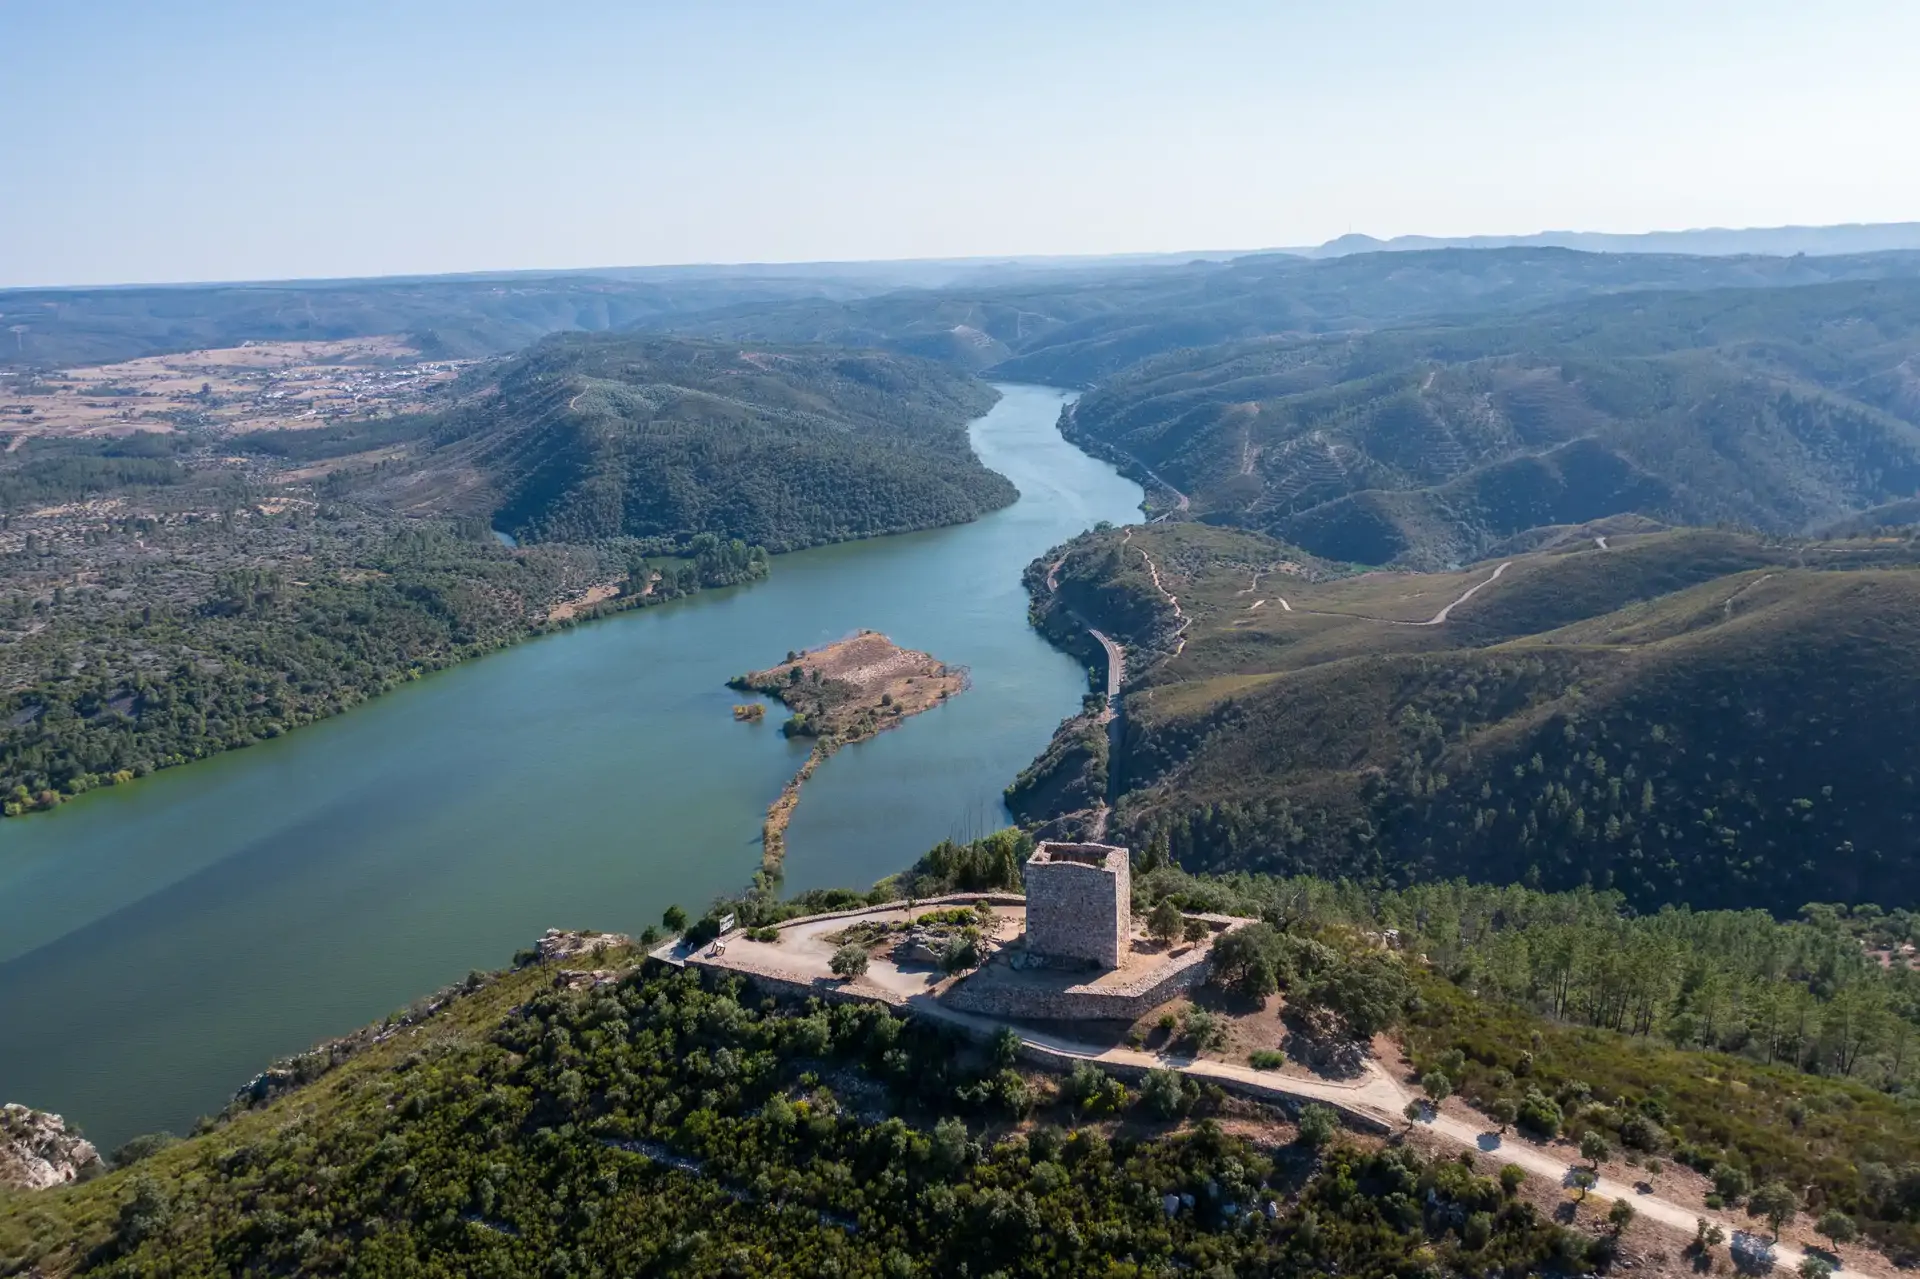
[
  {"x": 37, "y": 1150},
  {"x": 558, "y": 944}
]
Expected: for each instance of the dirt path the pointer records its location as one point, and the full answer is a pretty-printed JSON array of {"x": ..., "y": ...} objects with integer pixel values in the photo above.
[
  {"x": 1727, "y": 606},
  {"x": 1377, "y": 1095},
  {"x": 1465, "y": 595},
  {"x": 1436, "y": 620},
  {"x": 1153, "y": 571},
  {"x": 803, "y": 954}
]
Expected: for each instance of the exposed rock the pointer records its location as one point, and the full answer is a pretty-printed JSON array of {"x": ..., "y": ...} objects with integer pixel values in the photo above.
[
  {"x": 38, "y": 1151},
  {"x": 557, "y": 944},
  {"x": 577, "y": 979}
]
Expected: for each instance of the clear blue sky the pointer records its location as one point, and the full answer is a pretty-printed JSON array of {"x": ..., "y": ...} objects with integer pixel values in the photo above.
[{"x": 208, "y": 140}]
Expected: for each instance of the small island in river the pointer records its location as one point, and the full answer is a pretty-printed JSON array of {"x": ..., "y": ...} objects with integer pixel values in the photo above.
[{"x": 843, "y": 692}]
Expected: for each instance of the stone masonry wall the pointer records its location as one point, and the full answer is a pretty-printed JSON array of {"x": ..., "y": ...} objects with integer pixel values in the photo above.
[
  {"x": 1084, "y": 1002},
  {"x": 1080, "y": 902}
]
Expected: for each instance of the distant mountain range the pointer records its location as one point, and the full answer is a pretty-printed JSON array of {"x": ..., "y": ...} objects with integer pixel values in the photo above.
[{"x": 1777, "y": 241}]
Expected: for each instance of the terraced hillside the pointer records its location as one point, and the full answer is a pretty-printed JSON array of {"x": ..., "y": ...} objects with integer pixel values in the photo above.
[
  {"x": 594, "y": 436},
  {"x": 1782, "y": 409},
  {"x": 1686, "y": 716}
]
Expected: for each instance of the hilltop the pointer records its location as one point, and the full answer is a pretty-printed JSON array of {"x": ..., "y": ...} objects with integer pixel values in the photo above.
[
  {"x": 1686, "y": 716},
  {"x": 595, "y": 436}
]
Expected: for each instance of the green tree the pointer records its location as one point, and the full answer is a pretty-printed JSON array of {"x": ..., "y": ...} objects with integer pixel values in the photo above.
[
  {"x": 1837, "y": 1226},
  {"x": 674, "y": 919},
  {"x": 1512, "y": 1176},
  {"x": 1006, "y": 1048},
  {"x": 1436, "y": 1085},
  {"x": 1593, "y": 1146},
  {"x": 1776, "y": 1202},
  {"x": 1620, "y": 1216},
  {"x": 1164, "y": 922}
]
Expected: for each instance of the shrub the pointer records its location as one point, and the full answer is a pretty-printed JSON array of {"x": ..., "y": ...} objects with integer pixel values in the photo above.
[
  {"x": 1165, "y": 1093},
  {"x": 962, "y": 954},
  {"x": 1318, "y": 1124},
  {"x": 1729, "y": 1183},
  {"x": 1093, "y": 1090},
  {"x": 1539, "y": 1116},
  {"x": 1512, "y": 1176},
  {"x": 1267, "y": 1059},
  {"x": 849, "y": 961},
  {"x": 1201, "y": 1030},
  {"x": 674, "y": 919},
  {"x": 137, "y": 1148}
]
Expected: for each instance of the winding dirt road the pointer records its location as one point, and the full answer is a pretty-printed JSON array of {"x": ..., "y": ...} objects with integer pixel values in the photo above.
[
  {"x": 1436, "y": 620},
  {"x": 1153, "y": 571}
]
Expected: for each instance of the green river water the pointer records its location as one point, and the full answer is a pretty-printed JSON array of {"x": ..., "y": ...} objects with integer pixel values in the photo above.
[{"x": 162, "y": 942}]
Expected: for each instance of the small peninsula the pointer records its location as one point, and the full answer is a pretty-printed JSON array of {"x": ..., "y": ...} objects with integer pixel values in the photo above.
[{"x": 843, "y": 692}]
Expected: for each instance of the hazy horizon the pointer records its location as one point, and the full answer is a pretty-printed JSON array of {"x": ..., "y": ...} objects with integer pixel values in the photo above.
[{"x": 237, "y": 143}]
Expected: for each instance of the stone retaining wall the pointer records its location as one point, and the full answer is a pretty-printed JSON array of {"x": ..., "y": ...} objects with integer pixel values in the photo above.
[
  {"x": 1040, "y": 1056},
  {"x": 1117, "y": 1001}
]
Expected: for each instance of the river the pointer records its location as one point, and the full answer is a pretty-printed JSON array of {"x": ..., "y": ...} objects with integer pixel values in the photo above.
[{"x": 161, "y": 942}]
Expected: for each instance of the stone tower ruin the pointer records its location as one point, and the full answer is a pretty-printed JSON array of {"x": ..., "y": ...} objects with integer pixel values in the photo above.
[{"x": 1080, "y": 903}]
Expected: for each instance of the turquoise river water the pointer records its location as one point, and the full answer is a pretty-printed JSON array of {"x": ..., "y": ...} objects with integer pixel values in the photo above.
[{"x": 162, "y": 942}]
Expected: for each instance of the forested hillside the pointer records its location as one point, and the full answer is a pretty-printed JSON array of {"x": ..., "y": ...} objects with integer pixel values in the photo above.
[
  {"x": 1741, "y": 1047},
  {"x": 643, "y": 1124},
  {"x": 608, "y": 1118},
  {"x": 1780, "y": 409},
  {"x": 594, "y": 436},
  {"x": 1686, "y": 717}
]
